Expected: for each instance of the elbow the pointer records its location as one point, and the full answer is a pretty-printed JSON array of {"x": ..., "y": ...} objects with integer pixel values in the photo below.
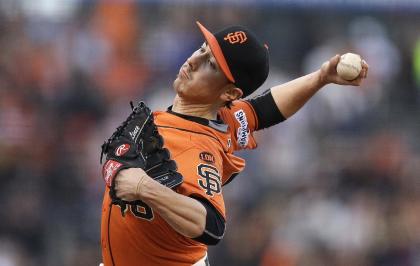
[
  {"x": 210, "y": 238},
  {"x": 196, "y": 230},
  {"x": 197, "y": 227},
  {"x": 212, "y": 230}
]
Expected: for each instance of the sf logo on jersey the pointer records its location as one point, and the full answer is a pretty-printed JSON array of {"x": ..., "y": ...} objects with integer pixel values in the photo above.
[{"x": 210, "y": 179}]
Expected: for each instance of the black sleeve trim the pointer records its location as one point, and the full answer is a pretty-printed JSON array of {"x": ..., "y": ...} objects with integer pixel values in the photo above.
[
  {"x": 230, "y": 178},
  {"x": 266, "y": 110},
  {"x": 215, "y": 224}
]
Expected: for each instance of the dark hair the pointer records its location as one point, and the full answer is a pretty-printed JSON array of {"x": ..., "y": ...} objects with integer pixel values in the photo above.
[{"x": 228, "y": 104}]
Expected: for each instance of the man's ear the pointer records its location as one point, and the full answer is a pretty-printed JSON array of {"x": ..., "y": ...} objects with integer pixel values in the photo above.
[{"x": 231, "y": 93}]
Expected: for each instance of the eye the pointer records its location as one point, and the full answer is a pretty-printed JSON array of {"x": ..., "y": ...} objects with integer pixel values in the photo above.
[
  {"x": 212, "y": 65},
  {"x": 202, "y": 49}
]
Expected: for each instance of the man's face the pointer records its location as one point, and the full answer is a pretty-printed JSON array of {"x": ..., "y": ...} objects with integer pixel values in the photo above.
[{"x": 200, "y": 79}]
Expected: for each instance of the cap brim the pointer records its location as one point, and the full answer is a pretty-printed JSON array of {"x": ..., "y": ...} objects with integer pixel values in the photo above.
[{"x": 217, "y": 52}]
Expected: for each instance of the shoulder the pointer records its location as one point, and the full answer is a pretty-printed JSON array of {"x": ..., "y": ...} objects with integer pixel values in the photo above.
[
  {"x": 240, "y": 113},
  {"x": 242, "y": 121}
]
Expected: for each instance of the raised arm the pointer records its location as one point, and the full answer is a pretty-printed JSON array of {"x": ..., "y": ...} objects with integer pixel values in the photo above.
[{"x": 291, "y": 96}]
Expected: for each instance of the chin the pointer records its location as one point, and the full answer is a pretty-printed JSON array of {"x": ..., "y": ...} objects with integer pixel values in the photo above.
[
  {"x": 181, "y": 86},
  {"x": 176, "y": 84}
]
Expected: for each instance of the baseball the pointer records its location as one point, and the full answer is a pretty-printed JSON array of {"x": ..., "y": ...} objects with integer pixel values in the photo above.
[{"x": 349, "y": 66}]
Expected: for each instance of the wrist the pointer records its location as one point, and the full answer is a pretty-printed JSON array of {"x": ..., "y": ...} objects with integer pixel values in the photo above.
[
  {"x": 320, "y": 79},
  {"x": 148, "y": 188},
  {"x": 141, "y": 186}
]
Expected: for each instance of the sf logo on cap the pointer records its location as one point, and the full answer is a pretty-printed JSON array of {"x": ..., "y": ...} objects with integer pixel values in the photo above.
[{"x": 236, "y": 37}]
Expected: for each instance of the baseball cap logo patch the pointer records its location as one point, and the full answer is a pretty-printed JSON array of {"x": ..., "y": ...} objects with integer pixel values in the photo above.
[{"x": 236, "y": 37}]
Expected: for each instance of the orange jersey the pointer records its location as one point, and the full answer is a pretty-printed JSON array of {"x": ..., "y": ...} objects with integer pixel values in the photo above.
[{"x": 204, "y": 155}]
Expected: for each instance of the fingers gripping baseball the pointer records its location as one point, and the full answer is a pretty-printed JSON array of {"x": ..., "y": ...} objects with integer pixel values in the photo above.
[
  {"x": 128, "y": 183},
  {"x": 344, "y": 70}
]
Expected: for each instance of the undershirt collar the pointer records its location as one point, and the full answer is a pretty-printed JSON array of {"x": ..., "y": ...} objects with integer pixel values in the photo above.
[{"x": 215, "y": 124}]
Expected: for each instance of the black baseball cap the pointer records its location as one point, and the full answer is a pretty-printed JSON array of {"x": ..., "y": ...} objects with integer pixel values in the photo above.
[{"x": 241, "y": 56}]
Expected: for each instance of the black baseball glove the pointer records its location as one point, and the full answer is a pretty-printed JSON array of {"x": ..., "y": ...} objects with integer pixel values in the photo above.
[{"x": 136, "y": 143}]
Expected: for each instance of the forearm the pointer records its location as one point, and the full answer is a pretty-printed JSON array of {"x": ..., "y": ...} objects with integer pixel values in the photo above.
[
  {"x": 291, "y": 96},
  {"x": 184, "y": 214}
]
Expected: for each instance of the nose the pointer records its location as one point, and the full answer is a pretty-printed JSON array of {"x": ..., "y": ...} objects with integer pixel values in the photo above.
[{"x": 191, "y": 63}]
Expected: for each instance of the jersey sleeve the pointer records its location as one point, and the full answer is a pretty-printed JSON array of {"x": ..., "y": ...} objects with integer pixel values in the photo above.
[
  {"x": 202, "y": 174},
  {"x": 242, "y": 121}
]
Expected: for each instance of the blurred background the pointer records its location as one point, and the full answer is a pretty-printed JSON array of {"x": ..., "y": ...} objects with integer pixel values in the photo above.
[{"x": 336, "y": 184}]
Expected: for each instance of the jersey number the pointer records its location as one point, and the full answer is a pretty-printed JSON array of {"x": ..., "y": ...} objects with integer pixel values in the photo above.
[{"x": 142, "y": 211}]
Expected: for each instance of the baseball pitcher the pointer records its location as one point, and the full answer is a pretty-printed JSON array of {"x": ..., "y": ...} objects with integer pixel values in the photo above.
[{"x": 165, "y": 170}]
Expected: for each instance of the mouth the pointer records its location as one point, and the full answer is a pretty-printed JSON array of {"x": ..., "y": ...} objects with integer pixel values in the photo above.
[{"x": 183, "y": 73}]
